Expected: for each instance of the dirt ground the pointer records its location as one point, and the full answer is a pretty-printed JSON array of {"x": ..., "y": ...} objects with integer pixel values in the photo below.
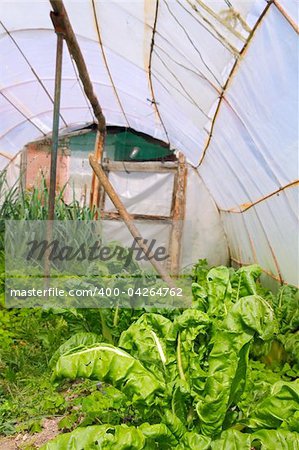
[{"x": 25, "y": 440}]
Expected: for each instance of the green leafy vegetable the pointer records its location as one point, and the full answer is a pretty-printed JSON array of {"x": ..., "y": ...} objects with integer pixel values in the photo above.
[
  {"x": 119, "y": 437},
  {"x": 113, "y": 365},
  {"x": 77, "y": 341},
  {"x": 218, "y": 376},
  {"x": 277, "y": 407},
  {"x": 228, "y": 359},
  {"x": 275, "y": 439}
]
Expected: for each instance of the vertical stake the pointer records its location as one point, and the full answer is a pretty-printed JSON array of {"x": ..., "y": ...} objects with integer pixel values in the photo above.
[
  {"x": 178, "y": 216},
  {"x": 95, "y": 183},
  {"x": 53, "y": 169},
  {"x": 55, "y": 129}
]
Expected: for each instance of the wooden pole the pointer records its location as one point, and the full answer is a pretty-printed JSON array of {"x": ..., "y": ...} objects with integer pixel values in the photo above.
[
  {"x": 64, "y": 26},
  {"x": 55, "y": 129},
  {"x": 55, "y": 141},
  {"x": 95, "y": 183},
  {"x": 178, "y": 215},
  {"x": 127, "y": 218}
]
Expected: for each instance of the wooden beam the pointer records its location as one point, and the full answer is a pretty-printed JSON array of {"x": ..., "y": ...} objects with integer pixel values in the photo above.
[
  {"x": 287, "y": 16},
  {"x": 64, "y": 26},
  {"x": 127, "y": 218},
  {"x": 111, "y": 215},
  {"x": 178, "y": 215},
  {"x": 7, "y": 155},
  {"x": 245, "y": 206},
  {"x": 95, "y": 184},
  {"x": 147, "y": 166}
]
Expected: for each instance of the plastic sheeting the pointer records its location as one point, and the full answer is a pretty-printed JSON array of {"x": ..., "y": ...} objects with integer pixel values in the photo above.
[
  {"x": 203, "y": 234},
  {"x": 194, "y": 47},
  {"x": 254, "y": 152},
  {"x": 151, "y": 193},
  {"x": 143, "y": 193},
  {"x": 80, "y": 178},
  {"x": 163, "y": 73},
  {"x": 12, "y": 173},
  {"x": 256, "y": 135}
]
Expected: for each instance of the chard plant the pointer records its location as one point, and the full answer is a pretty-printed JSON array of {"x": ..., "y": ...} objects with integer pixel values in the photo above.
[{"x": 199, "y": 378}]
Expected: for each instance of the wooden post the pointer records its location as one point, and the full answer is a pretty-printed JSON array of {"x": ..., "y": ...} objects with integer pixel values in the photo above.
[
  {"x": 55, "y": 126},
  {"x": 127, "y": 218},
  {"x": 65, "y": 27},
  {"x": 95, "y": 183},
  {"x": 178, "y": 215}
]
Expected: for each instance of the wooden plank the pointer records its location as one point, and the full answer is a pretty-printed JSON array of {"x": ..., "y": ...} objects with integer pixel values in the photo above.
[
  {"x": 111, "y": 215},
  {"x": 127, "y": 218},
  {"x": 178, "y": 215},
  {"x": 147, "y": 166}
]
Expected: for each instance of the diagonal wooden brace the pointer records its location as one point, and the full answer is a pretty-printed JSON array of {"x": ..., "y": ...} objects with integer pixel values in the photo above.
[{"x": 110, "y": 191}]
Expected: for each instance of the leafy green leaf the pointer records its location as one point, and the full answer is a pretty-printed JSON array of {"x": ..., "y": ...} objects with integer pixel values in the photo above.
[
  {"x": 287, "y": 308},
  {"x": 277, "y": 407},
  {"x": 219, "y": 290},
  {"x": 194, "y": 441},
  {"x": 119, "y": 437},
  {"x": 244, "y": 281},
  {"x": 192, "y": 346},
  {"x": 232, "y": 440},
  {"x": 150, "y": 340},
  {"x": 77, "y": 341},
  {"x": 275, "y": 439},
  {"x": 228, "y": 359},
  {"x": 113, "y": 365},
  {"x": 158, "y": 434}
]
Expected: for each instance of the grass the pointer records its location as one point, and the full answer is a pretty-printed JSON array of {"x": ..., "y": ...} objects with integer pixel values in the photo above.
[
  {"x": 29, "y": 337},
  {"x": 16, "y": 204}
]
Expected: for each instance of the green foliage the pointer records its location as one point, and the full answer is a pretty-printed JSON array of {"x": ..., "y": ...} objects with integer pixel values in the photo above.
[
  {"x": 76, "y": 341},
  {"x": 16, "y": 204},
  {"x": 107, "y": 404},
  {"x": 219, "y": 375},
  {"x": 200, "y": 387},
  {"x": 228, "y": 359},
  {"x": 277, "y": 408},
  {"x": 262, "y": 440},
  {"x": 29, "y": 337},
  {"x": 113, "y": 365},
  {"x": 119, "y": 437}
]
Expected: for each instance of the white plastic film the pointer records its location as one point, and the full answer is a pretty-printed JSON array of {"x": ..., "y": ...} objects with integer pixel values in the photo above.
[
  {"x": 162, "y": 68},
  {"x": 203, "y": 234},
  {"x": 254, "y": 152},
  {"x": 257, "y": 235},
  {"x": 142, "y": 193}
]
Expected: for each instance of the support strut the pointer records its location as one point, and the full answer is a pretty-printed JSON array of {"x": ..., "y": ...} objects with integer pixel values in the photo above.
[{"x": 55, "y": 129}]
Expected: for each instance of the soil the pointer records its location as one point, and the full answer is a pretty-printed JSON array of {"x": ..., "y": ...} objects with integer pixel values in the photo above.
[{"x": 26, "y": 440}]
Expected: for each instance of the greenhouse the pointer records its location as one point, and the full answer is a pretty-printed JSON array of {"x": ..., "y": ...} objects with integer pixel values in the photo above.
[{"x": 149, "y": 225}]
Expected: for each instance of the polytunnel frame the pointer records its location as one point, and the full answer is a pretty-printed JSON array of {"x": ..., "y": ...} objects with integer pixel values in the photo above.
[{"x": 242, "y": 208}]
